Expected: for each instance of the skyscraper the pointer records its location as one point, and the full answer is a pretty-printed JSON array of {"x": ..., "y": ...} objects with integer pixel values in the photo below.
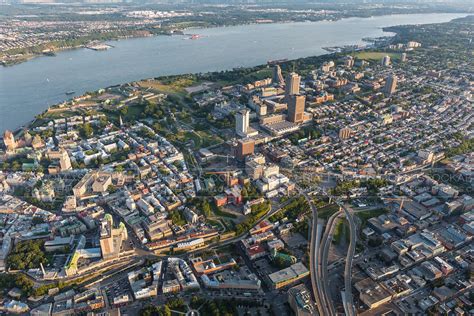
[
  {"x": 111, "y": 238},
  {"x": 242, "y": 119},
  {"x": 296, "y": 104},
  {"x": 277, "y": 77},
  {"x": 386, "y": 61},
  {"x": 292, "y": 84},
  {"x": 404, "y": 57},
  {"x": 390, "y": 85}
]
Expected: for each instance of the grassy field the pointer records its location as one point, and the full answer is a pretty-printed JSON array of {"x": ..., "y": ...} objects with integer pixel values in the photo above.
[
  {"x": 376, "y": 55},
  {"x": 365, "y": 216},
  {"x": 342, "y": 229},
  {"x": 220, "y": 213},
  {"x": 175, "y": 87},
  {"x": 327, "y": 211},
  {"x": 200, "y": 138}
]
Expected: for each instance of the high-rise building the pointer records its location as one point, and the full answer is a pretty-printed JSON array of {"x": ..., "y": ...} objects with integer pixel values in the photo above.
[
  {"x": 390, "y": 85},
  {"x": 386, "y": 61},
  {"x": 277, "y": 77},
  {"x": 296, "y": 103},
  {"x": 404, "y": 57},
  {"x": 65, "y": 161},
  {"x": 111, "y": 238},
  {"x": 9, "y": 140},
  {"x": 242, "y": 120},
  {"x": 292, "y": 84},
  {"x": 245, "y": 147}
]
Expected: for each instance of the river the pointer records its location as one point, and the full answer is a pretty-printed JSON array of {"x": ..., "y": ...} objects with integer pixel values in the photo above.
[{"x": 29, "y": 88}]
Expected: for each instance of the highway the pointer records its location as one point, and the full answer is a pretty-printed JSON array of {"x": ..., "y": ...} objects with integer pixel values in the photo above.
[
  {"x": 313, "y": 259},
  {"x": 324, "y": 296},
  {"x": 324, "y": 252},
  {"x": 316, "y": 278},
  {"x": 348, "y": 299}
]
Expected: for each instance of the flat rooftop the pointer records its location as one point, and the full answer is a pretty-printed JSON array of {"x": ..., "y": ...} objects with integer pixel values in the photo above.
[{"x": 294, "y": 271}]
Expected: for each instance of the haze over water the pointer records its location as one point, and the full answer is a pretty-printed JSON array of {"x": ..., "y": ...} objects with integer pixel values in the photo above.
[{"x": 29, "y": 88}]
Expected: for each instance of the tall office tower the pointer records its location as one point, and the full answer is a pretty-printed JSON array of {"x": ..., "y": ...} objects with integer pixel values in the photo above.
[
  {"x": 242, "y": 119},
  {"x": 296, "y": 108},
  {"x": 386, "y": 61},
  {"x": 9, "y": 140},
  {"x": 277, "y": 77},
  {"x": 292, "y": 84},
  {"x": 111, "y": 238},
  {"x": 404, "y": 57},
  {"x": 390, "y": 85}
]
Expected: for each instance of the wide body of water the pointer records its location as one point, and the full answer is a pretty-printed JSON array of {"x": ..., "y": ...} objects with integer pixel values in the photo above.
[{"x": 29, "y": 88}]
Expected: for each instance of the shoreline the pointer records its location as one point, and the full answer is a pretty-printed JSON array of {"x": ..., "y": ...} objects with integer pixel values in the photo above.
[
  {"x": 62, "y": 49},
  {"x": 30, "y": 120},
  {"x": 181, "y": 32},
  {"x": 326, "y": 55}
]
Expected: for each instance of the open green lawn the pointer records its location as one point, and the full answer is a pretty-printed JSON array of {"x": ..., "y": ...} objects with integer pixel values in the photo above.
[
  {"x": 173, "y": 87},
  {"x": 208, "y": 139},
  {"x": 200, "y": 138},
  {"x": 327, "y": 211},
  {"x": 375, "y": 55},
  {"x": 220, "y": 213}
]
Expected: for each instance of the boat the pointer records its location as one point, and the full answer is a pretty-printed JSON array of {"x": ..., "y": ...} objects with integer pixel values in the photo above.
[{"x": 70, "y": 92}]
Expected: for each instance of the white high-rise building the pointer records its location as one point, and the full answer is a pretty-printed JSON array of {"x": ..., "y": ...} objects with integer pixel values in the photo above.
[
  {"x": 292, "y": 84},
  {"x": 386, "y": 61},
  {"x": 242, "y": 121}
]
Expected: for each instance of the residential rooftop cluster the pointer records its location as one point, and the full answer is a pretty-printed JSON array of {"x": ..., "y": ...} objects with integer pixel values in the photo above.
[{"x": 356, "y": 166}]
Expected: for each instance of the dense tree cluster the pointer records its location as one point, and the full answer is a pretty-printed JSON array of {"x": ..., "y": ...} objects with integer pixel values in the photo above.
[
  {"x": 27, "y": 255},
  {"x": 257, "y": 212},
  {"x": 296, "y": 207},
  {"x": 20, "y": 281}
]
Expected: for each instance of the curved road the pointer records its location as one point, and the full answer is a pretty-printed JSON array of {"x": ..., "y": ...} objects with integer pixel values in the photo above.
[
  {"x": 326, "y": 244},
  {"x": 316, "y": 280},
  {"x": 348, "y": 299}
]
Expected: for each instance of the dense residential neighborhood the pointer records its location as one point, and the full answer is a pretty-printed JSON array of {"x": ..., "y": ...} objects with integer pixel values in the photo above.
[{"x": 337, "y": 184}]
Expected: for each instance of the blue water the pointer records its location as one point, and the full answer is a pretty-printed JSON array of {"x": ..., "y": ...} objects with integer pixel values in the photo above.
[{"x": 29, "y": 88}]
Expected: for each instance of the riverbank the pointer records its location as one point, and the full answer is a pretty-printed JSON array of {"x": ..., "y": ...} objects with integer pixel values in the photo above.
[
  {"x": 29, "y": 88},
  {"x": 52, "y": 48},
  {"x": 21, "y": 55}
]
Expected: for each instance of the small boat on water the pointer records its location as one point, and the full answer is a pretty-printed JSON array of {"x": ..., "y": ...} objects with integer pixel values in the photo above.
[{"x": 70, "y": 92}]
